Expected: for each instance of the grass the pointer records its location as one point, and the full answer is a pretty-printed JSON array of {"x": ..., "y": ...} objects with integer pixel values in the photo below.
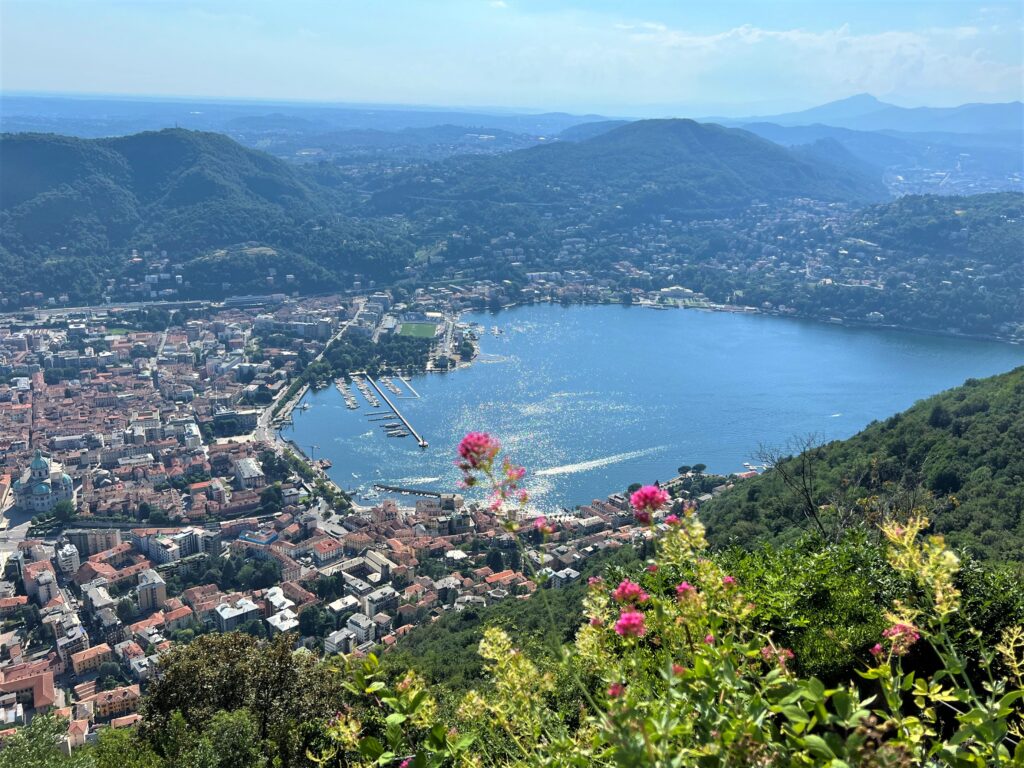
[{"x": 418, "y": 330}]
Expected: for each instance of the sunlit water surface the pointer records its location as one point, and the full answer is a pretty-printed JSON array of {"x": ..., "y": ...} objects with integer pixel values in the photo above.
[{"x": 594, "y": 398}]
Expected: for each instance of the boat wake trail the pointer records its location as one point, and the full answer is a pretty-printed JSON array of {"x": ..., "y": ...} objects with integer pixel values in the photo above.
[{"x": 586, "y": 466}]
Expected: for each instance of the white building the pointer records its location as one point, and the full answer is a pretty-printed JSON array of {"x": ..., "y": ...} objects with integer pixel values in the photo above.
[
  {"x": 340, "y": 641},
  {"x": 361, "y": 626},
  {"x": 68, "y": 560}
]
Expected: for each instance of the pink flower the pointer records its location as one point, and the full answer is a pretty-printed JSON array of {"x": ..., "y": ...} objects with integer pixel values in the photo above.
[
  {"x": 780, "y": 656},
  {"x": 404, "y": 764},
  {"x": 643, "y": 517},
  {"x": 630, "y": 624},
  {"x": 523, "y": 497},
  {"x": 877, "y": 650},
  {"x": 728, "y": 581},
  {"x": 678, "y": 669},
  {"x": 648, "y": 499},
  {"x": 615, "y": 690},
  {"x": 513, "y": 473},
  {"x": 595, "y": 621},
  {"x": 671, "y": 520},
  {"x": 541, "y": 524},
  {"x": 595, "y": 582},
  {"x": 709, "y": 639},
  {"x": 652, "y": 568},
  {"x": 630, "y": 592},
  {"x": 478, "y": 450},
  {"x": 686, "y": 589},
  {"x": 901, "y": 636}
]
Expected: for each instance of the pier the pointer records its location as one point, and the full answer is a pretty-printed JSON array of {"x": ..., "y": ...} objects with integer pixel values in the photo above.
[
  {"x": 406, "y": 491},
  {"x": 416, "y": 435},
  {"x": 409, "y": 385}
]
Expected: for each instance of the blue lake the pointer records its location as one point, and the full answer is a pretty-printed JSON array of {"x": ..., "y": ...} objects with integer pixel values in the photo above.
[{"x": 594, "y": 398}]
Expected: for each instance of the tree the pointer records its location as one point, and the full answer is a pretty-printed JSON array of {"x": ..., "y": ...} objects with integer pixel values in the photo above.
[
  {"x": 515, "y": 559},
  {"x": 684, "y": 469},
  {"x": 126, "y": 611},
  {"x": 37, "y": 745},
  {"x": 121, "y": 747},
  {"x": 64, "y": 511},
  {"x": 109, "y": 669},
  {"x": 495, "y": 561},
  {"x": 235, "y": 740},
  {"x": 699, "y": 468},
  {"x": 272, "y": 499},
  {"x": 311, "y": 622}
]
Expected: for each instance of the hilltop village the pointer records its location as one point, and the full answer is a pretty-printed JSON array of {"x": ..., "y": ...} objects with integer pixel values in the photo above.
[{"x": 148, "y": 496}]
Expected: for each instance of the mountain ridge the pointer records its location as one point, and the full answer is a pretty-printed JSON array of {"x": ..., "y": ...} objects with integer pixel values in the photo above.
[
  {"x": 674, "y": 167},
  {"x": 865, "y": 112}
]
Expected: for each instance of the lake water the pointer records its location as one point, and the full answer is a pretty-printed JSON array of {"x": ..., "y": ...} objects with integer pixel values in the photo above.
[{"x": 593, "y": 398}]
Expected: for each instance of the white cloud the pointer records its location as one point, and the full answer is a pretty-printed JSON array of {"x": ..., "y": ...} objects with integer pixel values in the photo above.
[{"x": 931, "y": 60}]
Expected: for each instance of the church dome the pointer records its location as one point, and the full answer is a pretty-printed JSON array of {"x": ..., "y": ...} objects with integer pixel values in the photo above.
[
  {"x": 41, "y": 490},
  {"x": 38, "y": 462}
]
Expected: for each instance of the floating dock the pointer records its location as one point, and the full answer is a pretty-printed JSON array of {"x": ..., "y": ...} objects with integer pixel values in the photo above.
[{"x": 416, "y": 435}]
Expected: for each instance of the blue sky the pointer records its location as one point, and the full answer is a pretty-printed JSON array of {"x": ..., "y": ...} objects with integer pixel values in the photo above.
[{"x": 635, "y": 57}]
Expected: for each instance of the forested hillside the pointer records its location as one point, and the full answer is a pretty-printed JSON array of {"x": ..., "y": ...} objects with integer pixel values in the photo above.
[
  {"x": 72, "y": 209},
  {"x": 672, "y": 168},
  {"x": 959, "y": 454},
  {"x": 717, "y": 210}
]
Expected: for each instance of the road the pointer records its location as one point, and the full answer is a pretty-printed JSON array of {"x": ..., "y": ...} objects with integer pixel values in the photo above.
[{"x": 14, "y": 533}]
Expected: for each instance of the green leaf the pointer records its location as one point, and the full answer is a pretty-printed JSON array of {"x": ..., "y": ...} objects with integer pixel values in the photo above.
[
  {"x": 370, "y": 748},
  {"x": 818, "y": 747}
]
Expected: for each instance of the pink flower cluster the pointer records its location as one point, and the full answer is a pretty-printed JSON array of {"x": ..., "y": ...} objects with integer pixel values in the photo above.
[
  {"x": 541, "y": 524},
  {"x": 647, "y": 501},
  {"x": 631, "y": 624},
  {"x": 780, "y": 656},
  {"x": 685, "y": 590},
  {"x": 477, "y": 454},
  {"x": 901, "y": 637},
  {"x": 629, "y": 592},
  {"x": 478, "y": 451}
]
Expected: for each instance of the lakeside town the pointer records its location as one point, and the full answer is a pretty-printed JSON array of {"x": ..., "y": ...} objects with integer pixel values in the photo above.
[{"x": 148, "y": 496}]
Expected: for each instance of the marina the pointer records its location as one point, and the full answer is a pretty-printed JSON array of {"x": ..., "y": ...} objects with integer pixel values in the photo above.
[
  {"x": 350, "y": 400},
  {"x": 416, "y": 436}
]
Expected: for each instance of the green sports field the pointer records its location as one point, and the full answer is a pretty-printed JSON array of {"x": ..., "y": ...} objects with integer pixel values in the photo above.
[{"x": 419, "y": 330}]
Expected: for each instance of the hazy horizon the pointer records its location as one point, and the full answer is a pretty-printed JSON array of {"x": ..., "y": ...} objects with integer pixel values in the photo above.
[
  {"x": 740, "y": 110},
  {"x": 652, "y": 58}
]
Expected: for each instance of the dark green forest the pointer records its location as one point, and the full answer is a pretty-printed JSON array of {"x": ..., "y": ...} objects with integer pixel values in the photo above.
[{"x": 72, "y": 209}]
